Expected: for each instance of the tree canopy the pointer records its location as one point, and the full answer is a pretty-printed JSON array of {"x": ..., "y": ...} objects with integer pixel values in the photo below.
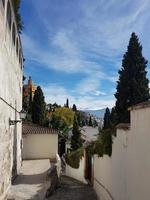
[
  {"x": 76, "y": 141},
  {"x": 38, "y": 107},
  {"x": 132, "y": 86}
]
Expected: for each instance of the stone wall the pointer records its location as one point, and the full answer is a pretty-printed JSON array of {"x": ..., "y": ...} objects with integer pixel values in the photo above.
[{"x": 10, "y": 99}]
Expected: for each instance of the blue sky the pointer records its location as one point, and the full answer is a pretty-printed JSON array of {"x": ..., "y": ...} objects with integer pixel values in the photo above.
[{"x": 73, "y": 48}]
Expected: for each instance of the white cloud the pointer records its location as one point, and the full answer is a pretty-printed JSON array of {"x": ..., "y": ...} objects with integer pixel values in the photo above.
[{"x": 55, "y": 93}]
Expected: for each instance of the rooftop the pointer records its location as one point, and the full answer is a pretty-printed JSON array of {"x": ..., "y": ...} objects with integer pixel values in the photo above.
[{"x": 30, "y": 128}]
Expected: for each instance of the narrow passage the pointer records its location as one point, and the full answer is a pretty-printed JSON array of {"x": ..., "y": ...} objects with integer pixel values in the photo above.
[{"x": 72, "y": 189}]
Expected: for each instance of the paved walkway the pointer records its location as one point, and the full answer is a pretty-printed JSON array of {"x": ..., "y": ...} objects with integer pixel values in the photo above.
[
  {"x": 32, "y": 182},
  {"x": 72, "y": 189}
]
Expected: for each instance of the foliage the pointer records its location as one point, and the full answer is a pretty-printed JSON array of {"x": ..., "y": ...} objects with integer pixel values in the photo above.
[
  {"x": 67, "y": 103},
  {"x": 38, "y": 107},
  {"x": 132, "y": 86},
  {"x": 90, "y": 121},
  {"x": 62, "y": 119},
  {"x": 107, "y": 119},
  {"x": 16, "y": 4},
  {"x": 73, "y": 158},
  {"x": 76, "y": 141},
  {"x": 103, "y": 144},
  {"x": 74, "y": 108},
  {"x": 106, "y": 140}
]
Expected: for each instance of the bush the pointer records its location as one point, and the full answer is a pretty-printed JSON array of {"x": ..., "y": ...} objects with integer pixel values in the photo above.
[{"x": 73, "y": 158}]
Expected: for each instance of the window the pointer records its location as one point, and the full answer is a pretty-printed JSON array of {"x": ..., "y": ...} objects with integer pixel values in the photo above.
[
  {"x": 9, "y": 14},
  {"x": 13, "y": 33}
]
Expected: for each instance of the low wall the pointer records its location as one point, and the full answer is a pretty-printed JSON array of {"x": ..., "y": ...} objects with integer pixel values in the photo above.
[
  {"x": 40, "y": 146},
  {"x": 110, "y": 173},
  {"x": 77, "y": 174},
  {"x": 125, "y": 175}
]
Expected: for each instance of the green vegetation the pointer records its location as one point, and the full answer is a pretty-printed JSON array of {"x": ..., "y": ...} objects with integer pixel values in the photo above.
[
  {"x": 62, "y": 119},
  {"x": 90, "y": 121},
  {"x": 38, "y": 107},
  {"x": 73, "y": 158},
  {"x": 132, "y": 86},
  {"x": 76, "y": 141}
]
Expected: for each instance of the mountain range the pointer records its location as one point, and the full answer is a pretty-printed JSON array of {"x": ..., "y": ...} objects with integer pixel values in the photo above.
[{"x": 97, "y": 113}]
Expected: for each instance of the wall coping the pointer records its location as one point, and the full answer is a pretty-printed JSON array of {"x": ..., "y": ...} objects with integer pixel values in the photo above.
[
  {"x": 124, "y": 126},
  {"x": 142, "y": 105}
]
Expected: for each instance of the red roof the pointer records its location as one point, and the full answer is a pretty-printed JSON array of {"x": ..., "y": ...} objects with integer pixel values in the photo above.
[{"x": 30, "y": 128}]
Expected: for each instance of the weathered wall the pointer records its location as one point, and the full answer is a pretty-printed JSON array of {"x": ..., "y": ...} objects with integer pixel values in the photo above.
[
  {"x": 10, "y": 99},
  {"x": 77, "y": 174},
  {"x": 125, "y": 176},
  {"x": 39, "y": 146}
]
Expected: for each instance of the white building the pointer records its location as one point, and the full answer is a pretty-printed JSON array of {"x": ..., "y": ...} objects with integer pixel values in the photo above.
[{"x": 11, "y": 73}]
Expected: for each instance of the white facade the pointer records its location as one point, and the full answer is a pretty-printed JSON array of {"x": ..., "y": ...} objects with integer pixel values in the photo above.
[
  {"x": 126, "y": 175},
  {"x": 40, "y": 146},
  {"x": 11, "y": 60},
  {"x": 78, "y": 174}
]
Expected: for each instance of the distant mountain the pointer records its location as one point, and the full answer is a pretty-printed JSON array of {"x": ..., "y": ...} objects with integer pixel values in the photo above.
[{"x": 96, "y": 113}]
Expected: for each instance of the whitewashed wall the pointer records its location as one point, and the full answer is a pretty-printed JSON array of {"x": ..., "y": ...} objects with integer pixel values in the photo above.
[
  {"x": 126, "y": 175},
  {"x": 77, "y": 174},
  {"x": 39, "y": 146},
  {"x": 11, "y": 93}
]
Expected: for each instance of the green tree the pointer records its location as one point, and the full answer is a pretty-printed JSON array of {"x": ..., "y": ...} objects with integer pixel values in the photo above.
[
  {"x": 30, "y": 102},
  {"x": 107, "y": 119},
  {"x": 132, "y": 86},
  {"x": 74, "y": 108},
  {"x": 16, "y": 4},
  {"x": 38, "y": 107},
  {"x": 62, "y": 119},
  {"x": 76, "y": 141},
  {"x": 67, "y": 103},
  {"x": 90, "y": 121}
]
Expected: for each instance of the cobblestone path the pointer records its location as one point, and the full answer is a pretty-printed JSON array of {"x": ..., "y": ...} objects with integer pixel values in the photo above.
[{"x": 72, "y": 189}]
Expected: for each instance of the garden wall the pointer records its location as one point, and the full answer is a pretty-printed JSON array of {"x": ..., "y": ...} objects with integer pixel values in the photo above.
[{"x": 125, "y": 175}]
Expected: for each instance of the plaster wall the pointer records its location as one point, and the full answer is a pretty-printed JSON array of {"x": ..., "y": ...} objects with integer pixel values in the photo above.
[
  {"x": 40, "y": 146},
  {"x": 10, "y": 104},
  {"x": 77, "y": 174},
  {"x": 125, "y": 175}
]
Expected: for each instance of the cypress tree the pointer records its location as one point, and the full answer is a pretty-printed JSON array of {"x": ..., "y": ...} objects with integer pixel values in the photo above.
[
  {"x": 74, "y": 108},
  {"x": 76, "y": 135},
  {"x": 106, "y": 119},
  {"x": 132, "y": 86},
  {"x": 90, "y": 121},
  {"x": 67, "y": 103},
  {"x": 38, "y": 107}
]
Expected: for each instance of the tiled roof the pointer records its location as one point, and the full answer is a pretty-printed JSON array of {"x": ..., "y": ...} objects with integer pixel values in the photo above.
[
  {"x": 140, "y": 105},
  {"x": 30, "y": 128},
  {"x": 124, "y": 126}
]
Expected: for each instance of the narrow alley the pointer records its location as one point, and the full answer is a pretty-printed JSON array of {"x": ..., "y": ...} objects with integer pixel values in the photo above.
[{"x": 72, "y": 189}]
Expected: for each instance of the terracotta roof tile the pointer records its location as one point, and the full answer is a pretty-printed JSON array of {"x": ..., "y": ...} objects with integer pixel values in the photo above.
[{"x": 30, "y": 128}]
